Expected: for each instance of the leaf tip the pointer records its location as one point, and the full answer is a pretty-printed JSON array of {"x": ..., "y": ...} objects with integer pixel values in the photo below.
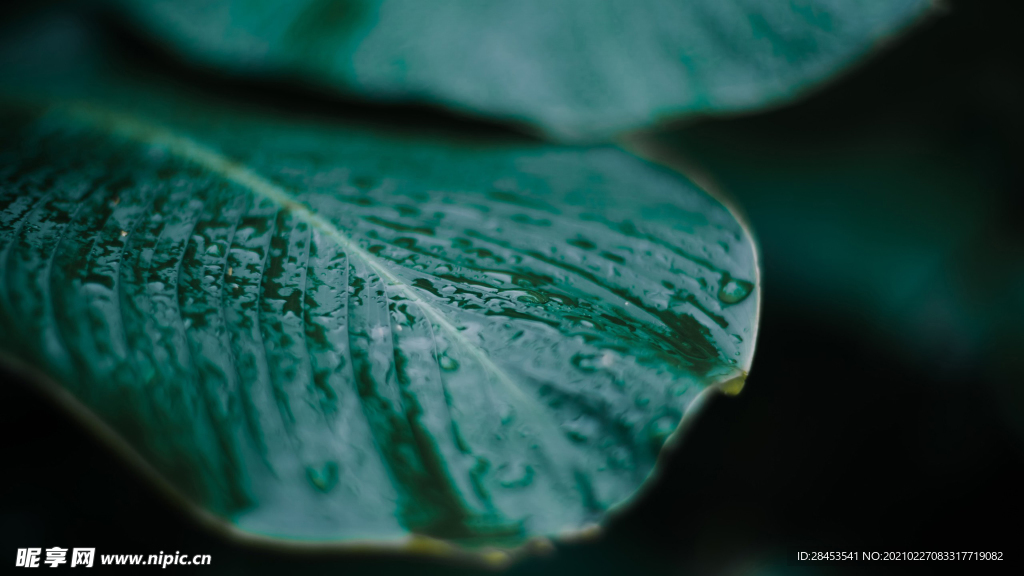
[{"x": 733, "y": 386}]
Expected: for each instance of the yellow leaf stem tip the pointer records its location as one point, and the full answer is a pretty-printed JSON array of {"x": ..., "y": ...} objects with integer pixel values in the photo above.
[
  {"x": 495, "y": 558},
  {"x": 540, "y": 546},
  {"x": 586, "y": 533},
  {"x": 733, "y": 386},
  {"x": 428, "y": 546}
]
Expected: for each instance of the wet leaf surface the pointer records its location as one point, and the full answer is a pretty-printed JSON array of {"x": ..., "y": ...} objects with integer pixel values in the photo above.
[{"x": 321, "y": 331}]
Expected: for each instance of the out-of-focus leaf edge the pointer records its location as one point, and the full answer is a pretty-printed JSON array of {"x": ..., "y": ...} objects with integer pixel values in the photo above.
[
  {"x": 885, "y": 43},
  {"x": 535, "y": 129}
]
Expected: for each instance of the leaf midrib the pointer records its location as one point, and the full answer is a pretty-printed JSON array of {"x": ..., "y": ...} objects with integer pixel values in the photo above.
[{"x": 143, "y": 131}]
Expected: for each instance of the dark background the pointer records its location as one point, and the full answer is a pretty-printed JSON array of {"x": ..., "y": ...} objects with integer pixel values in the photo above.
[{"x": 849, "y": 436}]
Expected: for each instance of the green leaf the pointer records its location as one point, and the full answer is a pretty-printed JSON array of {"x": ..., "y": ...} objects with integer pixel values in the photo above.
[
  {"x": 319, "y": 331},
  {"x": 576, "y": 69}
]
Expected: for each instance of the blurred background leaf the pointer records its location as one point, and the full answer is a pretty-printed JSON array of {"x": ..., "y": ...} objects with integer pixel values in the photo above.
[{"x": 574, "y": 69}]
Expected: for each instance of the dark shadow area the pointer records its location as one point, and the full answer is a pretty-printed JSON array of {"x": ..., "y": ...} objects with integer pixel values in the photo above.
[
  {"x": 294, "y": 96},
  {"x": 838, "y": 447}
]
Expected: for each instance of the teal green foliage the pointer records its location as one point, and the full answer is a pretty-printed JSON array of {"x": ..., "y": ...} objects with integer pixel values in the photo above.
[
  {"x": 321, "y": 331},
  {"x": 575, "y": 69}
]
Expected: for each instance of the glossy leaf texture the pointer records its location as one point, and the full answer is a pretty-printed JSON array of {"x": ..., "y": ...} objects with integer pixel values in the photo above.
[
  {"x": 574, "y": 69},
  {"x": 322, "y": 331}
]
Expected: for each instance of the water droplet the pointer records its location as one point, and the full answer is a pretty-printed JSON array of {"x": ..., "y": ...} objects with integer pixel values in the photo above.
[
  {"x": 506, "y": 413},
  {"x": 583, "y": 243},
  {"x": 659, "y": 430},
  {"x": 515, "y": 475},
  {"x": 733, "y": 291},
  {"x": 577, "y": 436},
  {"x": 586, "y": 362},
  {"x": 324, "y": 478},
  {"x": 448, "y": 364}
]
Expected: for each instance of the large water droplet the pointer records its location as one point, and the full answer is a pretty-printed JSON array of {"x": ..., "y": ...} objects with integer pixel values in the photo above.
[{"x": 733, "y": 290}]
